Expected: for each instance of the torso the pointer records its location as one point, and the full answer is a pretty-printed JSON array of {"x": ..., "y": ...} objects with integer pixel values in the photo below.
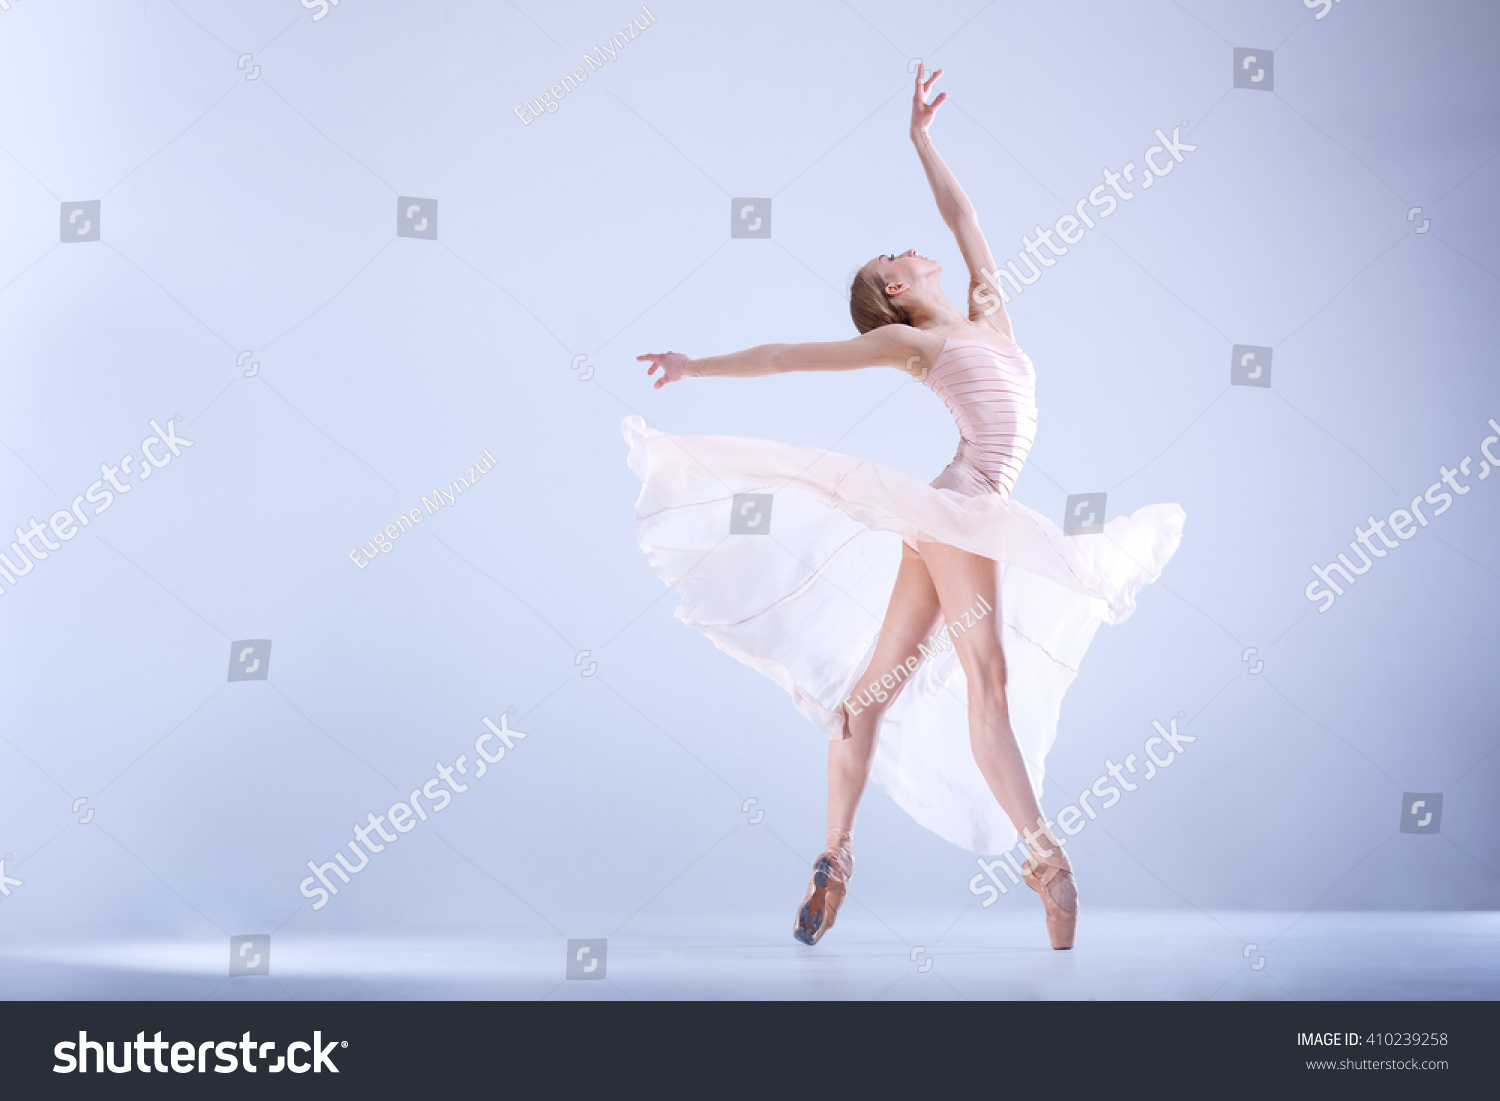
[{"x": 990, "y": 389}]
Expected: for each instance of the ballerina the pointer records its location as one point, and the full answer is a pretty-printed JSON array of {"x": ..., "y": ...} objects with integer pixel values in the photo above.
[{"x": 955, "y": 725}]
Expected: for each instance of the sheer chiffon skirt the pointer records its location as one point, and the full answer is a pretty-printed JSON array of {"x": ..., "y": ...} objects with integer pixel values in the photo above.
[{"x": 800, "y": 596}]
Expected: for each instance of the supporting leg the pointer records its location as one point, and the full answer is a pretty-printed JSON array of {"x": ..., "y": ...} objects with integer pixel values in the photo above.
[
  {"x": 908, "y": 621},
  {"x": 961, "y": 579}
]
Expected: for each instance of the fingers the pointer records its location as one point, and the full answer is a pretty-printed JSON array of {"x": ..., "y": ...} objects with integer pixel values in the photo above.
[
  {"x": 656, "y": 360},
  {"x": 930, "y": 80}
]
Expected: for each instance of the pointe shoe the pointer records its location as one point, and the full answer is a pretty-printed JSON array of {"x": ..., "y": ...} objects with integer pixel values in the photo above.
[
  {"x": 825, "y": 894},
  {"x": 1059, "y": 894}
]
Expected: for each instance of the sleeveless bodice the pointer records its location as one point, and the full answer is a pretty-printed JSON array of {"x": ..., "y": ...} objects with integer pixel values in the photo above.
[{"x": 991, "y": 393}]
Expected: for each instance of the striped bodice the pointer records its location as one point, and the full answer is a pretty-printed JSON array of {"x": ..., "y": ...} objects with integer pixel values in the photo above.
[{"x": 991, "y": 392}]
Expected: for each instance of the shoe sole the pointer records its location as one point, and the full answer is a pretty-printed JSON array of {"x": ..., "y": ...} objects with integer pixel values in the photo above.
[{"x": 810, "y": 918}]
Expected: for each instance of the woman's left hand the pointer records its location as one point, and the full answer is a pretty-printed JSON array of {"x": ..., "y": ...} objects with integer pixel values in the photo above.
[{"x": 922, "y": 111}]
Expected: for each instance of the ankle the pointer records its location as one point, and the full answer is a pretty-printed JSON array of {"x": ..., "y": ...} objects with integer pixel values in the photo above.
[
  {"x": 840, "y": 839},
  {"x": 1043, "y": 853}
]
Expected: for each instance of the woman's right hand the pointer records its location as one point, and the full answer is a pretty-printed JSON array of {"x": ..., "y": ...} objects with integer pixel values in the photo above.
[{"x": 673, "y": 366}]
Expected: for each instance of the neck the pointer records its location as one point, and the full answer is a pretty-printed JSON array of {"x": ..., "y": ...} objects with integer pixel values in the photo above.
[{"x": 934, "y": 314}]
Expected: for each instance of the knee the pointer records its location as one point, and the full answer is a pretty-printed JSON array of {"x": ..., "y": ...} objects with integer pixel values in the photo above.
[{"x": 864, "y": 708}]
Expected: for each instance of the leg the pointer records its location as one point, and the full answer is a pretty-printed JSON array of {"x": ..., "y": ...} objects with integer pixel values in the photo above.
[
  {"x": 909, "y": 619},
  {"x": 961, "y": 578}
]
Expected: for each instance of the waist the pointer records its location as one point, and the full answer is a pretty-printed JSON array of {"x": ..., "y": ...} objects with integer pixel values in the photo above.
[
  {"x": 978, "y": 468},
  {"x": 998, "y": 458},
  {"x": 995, "y": 443}
]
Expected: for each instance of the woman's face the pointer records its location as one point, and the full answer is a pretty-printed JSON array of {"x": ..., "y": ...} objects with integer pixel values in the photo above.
[{"x": 905, "y": 269}]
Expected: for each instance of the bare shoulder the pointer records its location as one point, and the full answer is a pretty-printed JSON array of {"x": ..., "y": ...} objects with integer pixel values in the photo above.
[{"x": 914, "y": 350}]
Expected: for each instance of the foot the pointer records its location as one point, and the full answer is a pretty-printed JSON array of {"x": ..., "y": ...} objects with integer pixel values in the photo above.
[
  {"x": 1053, "y": 880},
  {"x": 825, "y": 894}
]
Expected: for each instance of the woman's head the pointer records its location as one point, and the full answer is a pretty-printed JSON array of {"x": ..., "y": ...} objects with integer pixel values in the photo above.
[{"x": 886, "y": 289}]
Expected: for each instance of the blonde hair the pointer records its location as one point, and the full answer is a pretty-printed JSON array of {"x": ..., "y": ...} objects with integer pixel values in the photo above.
[{"x": 869, "y": 305}]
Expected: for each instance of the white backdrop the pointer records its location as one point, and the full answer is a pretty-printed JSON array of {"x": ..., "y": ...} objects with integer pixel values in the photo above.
[{"x": 249, "y": 204}]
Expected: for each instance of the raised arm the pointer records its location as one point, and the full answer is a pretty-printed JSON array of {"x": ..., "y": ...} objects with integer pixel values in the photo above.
[
  {"x": 956, "y": 209},
  {"x": 889, "y": 346}
]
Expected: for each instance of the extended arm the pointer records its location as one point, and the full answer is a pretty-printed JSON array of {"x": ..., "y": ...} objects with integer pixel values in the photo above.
[
  {"x": 955, "y": 208},
  {"x": 889, "y": 346}
]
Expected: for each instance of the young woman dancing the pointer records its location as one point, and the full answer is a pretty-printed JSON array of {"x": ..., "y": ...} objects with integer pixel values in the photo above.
[{"x": 950, "y": 700}]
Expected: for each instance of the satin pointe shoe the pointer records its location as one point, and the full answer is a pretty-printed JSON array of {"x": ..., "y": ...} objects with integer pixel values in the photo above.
[
  {"x": 1054, "y": 882},
  {"x": 825, "y": 894}
]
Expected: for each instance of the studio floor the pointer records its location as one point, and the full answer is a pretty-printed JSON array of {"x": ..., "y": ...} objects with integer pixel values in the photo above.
[{"x": 1120, "y": 955}]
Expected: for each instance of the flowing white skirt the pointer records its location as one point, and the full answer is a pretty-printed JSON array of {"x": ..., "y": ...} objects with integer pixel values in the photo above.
[{"x": 801, "y": 598}]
